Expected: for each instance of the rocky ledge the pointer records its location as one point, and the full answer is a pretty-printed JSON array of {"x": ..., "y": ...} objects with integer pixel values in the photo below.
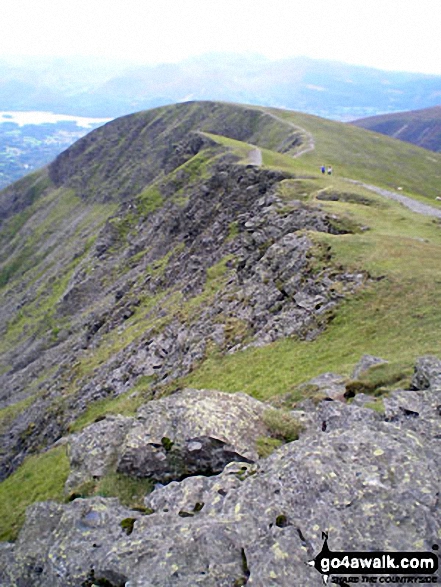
[{"x": 369, "y": 479}]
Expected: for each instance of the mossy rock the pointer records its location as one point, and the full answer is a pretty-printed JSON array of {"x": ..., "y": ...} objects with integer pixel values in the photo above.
[{"x": 127, "y": 525}]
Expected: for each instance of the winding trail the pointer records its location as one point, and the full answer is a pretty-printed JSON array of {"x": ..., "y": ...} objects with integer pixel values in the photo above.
[
  {"x": 255, "y": 158},
  {"x": 310, "y": 139},
  {"x": 255, "y": 155},
  {"x": 410, "y": 203}
]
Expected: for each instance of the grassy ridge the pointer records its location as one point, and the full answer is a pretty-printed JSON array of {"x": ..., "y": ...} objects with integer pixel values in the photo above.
[
  {"x": 397, "y": 315},
  {"x": 367, "y": 156},
  {"x": 420, "y": 127}
]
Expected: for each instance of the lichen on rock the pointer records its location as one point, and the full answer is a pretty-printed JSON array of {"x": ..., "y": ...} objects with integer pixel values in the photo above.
[{"x": 369, "y": 480}]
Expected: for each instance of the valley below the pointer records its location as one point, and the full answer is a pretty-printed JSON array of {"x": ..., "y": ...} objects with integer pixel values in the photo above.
[{"x": 29, "y": 140}]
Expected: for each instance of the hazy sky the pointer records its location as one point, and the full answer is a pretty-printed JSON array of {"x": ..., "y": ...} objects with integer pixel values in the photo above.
[{"x": 388, "y": 34}]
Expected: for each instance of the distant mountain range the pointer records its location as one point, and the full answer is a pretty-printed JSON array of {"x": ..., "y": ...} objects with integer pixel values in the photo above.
[
  {"x": 107, "y": 89},
  {"x": 420, "y": 127},
  {"x": 95, "y": 87}
]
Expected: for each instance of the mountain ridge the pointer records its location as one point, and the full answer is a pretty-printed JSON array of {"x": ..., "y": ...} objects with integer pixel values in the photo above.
[
  {"x": 98, "y": 88},
  {"x": 152, "y": 256}
]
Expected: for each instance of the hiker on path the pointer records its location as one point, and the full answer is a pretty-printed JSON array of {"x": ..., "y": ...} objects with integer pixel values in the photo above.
[
  {"x": 329, "y": 170},
  {"x": 323, "y": 169}
]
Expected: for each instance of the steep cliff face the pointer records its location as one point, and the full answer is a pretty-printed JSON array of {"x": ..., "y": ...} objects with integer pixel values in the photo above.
[{"x": 137, "y": 249}]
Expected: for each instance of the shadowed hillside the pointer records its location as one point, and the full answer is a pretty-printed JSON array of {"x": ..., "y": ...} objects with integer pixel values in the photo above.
[{"x": 420, "y": 127}]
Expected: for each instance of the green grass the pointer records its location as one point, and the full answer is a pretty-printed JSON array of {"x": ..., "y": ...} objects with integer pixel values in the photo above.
[
  {"x": 188, "y": 311},
  {"x": 125, "y": 404},
  {"x": 34, "y": 185},
  {"x": 380, "y": 378},
  {"x": 240, "y": 148},
  {"x": 9, "y": 413},
  {"x": 281, "y": 425},
  {"x": 129, "y": 490},
  {"x": 265, "y": 445},
  {"x": 38, "y": 316},
  {"x": 377, "y": 405},
  {"x": 40, "y": 477},
  {"x": 396, "y": 315},
  {"x": 149, "y": 200},
  {"x": 368, "y": 157},
  {"x": 196, "y": 168}
]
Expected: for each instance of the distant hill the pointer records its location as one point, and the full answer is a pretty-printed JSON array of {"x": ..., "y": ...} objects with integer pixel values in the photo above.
[
  {"x": 105, "y": 89},
  {"x": 420, "y": 127}
]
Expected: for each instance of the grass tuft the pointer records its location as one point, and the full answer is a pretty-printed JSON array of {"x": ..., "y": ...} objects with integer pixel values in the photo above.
[{"x": 39, "y": 478}]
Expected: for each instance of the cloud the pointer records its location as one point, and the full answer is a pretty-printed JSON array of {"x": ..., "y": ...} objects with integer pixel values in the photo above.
[{"x": 381, "y": 33}]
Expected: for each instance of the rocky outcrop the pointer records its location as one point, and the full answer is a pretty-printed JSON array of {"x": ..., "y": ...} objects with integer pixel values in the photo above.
[
  {"x": 230, "y": 266},
  {"x": 370, "y": 480},
  {"x": 365, "y": 363},
  {"x": 193, "y": 432}
]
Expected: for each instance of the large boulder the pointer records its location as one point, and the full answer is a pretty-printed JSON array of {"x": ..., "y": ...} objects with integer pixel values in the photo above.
[{"x": 190, "y": 433}]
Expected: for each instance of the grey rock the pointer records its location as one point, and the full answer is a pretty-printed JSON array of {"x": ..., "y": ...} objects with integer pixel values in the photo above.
[
  {"x": 8, "y": 568},
  {"x": 371, "y": 483},
  {"x": 330, "y": 415},
  {"x": 418, "y": 412},
  {"x": 405, "y": 403},
  {"x": 427, "y": 374},
  {"x": 361, "y": 399},
  {"x": 331, "y": 385},
  {"x": 84, "y": 531},
  {"x": 192, "y": 432},
  {"x": 200, "y": 494},
  {"x": 365, "y": 363},
  {"x": 189, "y": 433},
  {"x": 184, "y": 552},
  {"x": 94, "y": 451}
]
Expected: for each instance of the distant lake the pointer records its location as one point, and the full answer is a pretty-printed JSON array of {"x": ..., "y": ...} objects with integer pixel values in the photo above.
[{"x": 35, "y": 117}]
